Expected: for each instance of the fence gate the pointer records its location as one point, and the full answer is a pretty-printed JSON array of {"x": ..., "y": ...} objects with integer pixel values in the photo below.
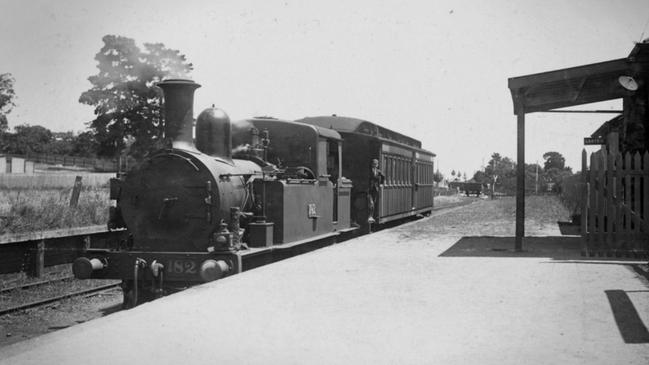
[{"x": 615, "y": 220}]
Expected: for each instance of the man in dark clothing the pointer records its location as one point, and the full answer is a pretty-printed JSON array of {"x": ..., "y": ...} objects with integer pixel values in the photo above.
[{"x": 376, "y": 180}]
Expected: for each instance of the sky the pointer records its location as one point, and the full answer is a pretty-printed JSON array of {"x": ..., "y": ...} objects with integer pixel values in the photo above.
[{"x": 433, "y": 70}]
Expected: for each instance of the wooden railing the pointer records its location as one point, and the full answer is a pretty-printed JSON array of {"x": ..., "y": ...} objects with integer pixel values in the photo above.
[
  {"x": 615, "y": 216},
  {"x": 97, "y": 164},
  {"x": 94, "y": 163}
]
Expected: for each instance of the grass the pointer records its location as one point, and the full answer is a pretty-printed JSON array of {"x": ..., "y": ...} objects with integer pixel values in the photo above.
[
  {"x": 546, "y": 208},
  {"x": 28, "y": 210}
]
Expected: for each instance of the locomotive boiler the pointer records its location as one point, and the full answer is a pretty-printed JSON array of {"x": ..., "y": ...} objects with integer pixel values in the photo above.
[{"x": 244, "y": 194}]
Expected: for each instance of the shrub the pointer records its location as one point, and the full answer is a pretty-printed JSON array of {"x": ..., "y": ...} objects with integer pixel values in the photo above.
[{"x": 571, "y": 194}]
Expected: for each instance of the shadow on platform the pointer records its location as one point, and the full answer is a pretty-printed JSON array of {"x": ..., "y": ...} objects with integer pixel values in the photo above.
[
  {"x": 554, "y": 247},
  {"x": 628, "y": 321},
  {"x": 566, "y": 250}
]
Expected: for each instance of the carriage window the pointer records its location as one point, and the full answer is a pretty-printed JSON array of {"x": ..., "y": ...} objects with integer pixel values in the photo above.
[
  {"x": 395, "y": 172},
  {"x": 398, "y": 170}
]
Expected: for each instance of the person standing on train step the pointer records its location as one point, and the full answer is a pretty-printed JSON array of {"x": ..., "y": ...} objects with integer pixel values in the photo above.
[{"x": 376, "y": 181}]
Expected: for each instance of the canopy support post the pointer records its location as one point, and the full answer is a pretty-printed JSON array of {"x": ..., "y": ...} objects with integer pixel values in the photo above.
[{"x": 520, "y": 181}]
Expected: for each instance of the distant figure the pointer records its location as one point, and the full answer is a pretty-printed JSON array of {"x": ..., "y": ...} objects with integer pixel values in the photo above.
[{"x": 376, "y": 180}]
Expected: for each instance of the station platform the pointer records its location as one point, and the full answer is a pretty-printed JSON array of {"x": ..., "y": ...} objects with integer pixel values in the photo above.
[{"x": 401, "y": 296}]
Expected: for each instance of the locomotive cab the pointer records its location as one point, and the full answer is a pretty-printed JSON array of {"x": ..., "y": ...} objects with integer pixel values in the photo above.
[{"x": 307, "y": 196}]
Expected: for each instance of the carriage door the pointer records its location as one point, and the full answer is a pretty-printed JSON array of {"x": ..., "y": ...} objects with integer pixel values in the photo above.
[{"x": 414, "y": 187}]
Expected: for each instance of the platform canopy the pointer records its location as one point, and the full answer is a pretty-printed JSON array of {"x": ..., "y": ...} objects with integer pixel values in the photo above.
[
  {"x": 569, "y": 86},
  {"x": 546, "y": 91}
]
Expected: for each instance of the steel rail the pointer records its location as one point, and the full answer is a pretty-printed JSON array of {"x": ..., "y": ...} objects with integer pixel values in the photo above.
[
  {"x": 57, "y": 298},
  {"x": 37, "y": 283}
]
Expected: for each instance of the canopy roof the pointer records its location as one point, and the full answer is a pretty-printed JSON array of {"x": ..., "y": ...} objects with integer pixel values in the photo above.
[
  {"x": 569, "y": 86},
  {"x": 578, "y": 85}
]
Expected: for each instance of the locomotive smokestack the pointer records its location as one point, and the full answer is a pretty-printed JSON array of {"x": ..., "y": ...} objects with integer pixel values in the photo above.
[{"x": 179, "y": 111}]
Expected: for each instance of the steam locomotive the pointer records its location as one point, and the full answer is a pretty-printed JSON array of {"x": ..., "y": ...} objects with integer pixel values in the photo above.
[{"x": 198, "y": 212}]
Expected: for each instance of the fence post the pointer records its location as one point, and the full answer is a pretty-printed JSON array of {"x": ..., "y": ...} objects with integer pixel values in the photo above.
[
  {"x": 584, "y": 202},
  {"x": 643, "y": 245},
  {"x": 611, "y": 236},
  {"x": 39, "y": 259},
  {"x": 74, "y": 199}
]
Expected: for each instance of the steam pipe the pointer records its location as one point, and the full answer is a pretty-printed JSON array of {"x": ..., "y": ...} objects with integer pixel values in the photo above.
[
  {"x": 179, "y": 112},
  {"x": 139, "y": 263}
]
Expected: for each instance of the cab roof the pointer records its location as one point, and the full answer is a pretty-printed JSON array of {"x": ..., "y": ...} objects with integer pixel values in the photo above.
[
  {"x": 319, "y": 130},
  {"x": 355, "y": 125}
]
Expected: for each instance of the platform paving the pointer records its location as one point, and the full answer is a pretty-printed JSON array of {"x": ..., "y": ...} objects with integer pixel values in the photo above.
[{"x": 400, "y": 296}]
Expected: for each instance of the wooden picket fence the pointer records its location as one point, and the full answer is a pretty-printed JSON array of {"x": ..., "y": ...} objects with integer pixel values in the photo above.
[{"x": 615, "y": 216}]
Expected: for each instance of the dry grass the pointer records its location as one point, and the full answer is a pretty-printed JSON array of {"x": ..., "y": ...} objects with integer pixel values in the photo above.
[
  {"x": 28, "y": 210},
  {"x": 497, "y": 217}
]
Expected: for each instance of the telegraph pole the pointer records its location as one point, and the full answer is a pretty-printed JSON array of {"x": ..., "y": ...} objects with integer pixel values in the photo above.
[{"x": 536, "y": 182}]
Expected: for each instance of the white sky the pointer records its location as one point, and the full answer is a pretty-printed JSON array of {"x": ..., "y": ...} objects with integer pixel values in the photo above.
[{"x": 434, "y": 70}]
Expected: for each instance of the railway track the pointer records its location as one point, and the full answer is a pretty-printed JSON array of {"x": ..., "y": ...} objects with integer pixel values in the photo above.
[
  {"x": 51, "y": 299},
  {"x": 35, "y": 299},
  {"x": 35, "y": 284}
]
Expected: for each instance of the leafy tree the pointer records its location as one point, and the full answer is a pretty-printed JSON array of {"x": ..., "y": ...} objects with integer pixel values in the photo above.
[
  {"x": 556, "y": 177},
  {"x": 555, "y": 170},
  {"x": 126, "y": 101},
  {"x": 27, "y": 140},
  {"x": 501, "y": 171},
  {"x": 453, "y": 173},
  {"x": 84, "y": 145},
  {"x": 553, "y": 160},
  {"x": 60, "y": 144},
  {"x": 438, "y": 177},
  {"x": 480, "y": 177},
  {"x": 7, "y": 95}
]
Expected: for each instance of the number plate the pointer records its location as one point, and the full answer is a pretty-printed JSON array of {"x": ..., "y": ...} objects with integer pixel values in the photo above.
[
  {"x": 311, "y": 211},
  {"x": 182, "y": 267}
]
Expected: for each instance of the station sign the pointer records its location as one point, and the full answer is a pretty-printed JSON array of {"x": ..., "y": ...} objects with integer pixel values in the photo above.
[{"x": 594, "y": 140}]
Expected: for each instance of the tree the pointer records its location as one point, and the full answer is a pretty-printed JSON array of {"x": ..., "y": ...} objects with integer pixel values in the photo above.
[
  {"x": 126, "y": 101},
  {"x": 61, "y": 144},
  {"x": 501, "y": 172},
  {"x": 7, "y": 95},
  {"x": 438, "y": 177},
  {"x": 553, "y": 160},
  {"x": 27, "y": 140},
  {"x": 555, "y": 170},
  {"x": 84, "y": 145},
  {"x": 480, "y": 177},
  {"x": 533, "y": 178}
]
